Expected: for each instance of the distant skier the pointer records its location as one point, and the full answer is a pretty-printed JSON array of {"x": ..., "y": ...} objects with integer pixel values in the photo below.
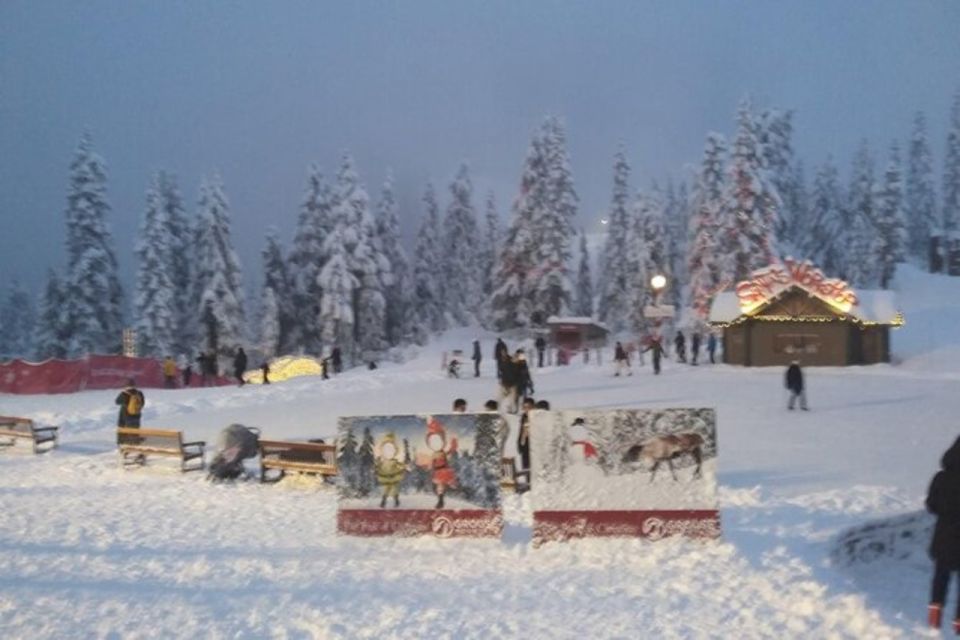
[
  {"x": 621, "y": 360},
  {"x": 943, "y": 501},
  {"x": 694, "y": 348},
  {"x": 680, "y": 344},
  {"x": 476, "y": 358},
  {"x": 239, "y": 365},
  {"x": 712, "y": 347},
  {"x": 541, "y": 346},
  {"x": 131, "y": 403},
  {"x": 793, "y": 381}
]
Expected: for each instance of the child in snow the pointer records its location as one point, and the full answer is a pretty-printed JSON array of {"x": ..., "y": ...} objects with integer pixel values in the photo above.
[
  {"x": 443, "y": 475},
  {"x": 943, "y": 500},
  {"x": 390, "y": 471}
]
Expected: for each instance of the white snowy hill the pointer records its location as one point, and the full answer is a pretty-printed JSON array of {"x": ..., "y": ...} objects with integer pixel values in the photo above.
[{"x": 90, "y": 550}]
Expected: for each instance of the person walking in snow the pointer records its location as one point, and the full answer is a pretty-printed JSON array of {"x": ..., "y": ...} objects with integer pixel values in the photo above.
[
  {"x": 793, "y": 381},
  {"x": 187, "y": 374},
  {"x": 169, "y": 373},
  {"x": 476, "y": 358},
  {"x": 943, "y": 501},
  {"x": 265, "y": 370},
  {"x": 712, "y": 347},
  {"x": 336, "y": 360},
  {"x": 656, "y": 350},
  {"x": 681, "y": 347},
  {"x": 239, "y": 365},
  {"x": 694, "y": 348},
  {"x": 621, "y": 360},
  {"x": 524, "y": 381},
  {"x": 499, "y": 351},
  {"x": 131, "y": 403},
  {"x": 509, "y": 381},
  {"x": 541, "y": 346}
]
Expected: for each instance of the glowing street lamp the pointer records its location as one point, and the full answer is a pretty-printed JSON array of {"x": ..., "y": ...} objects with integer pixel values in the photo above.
[{"x": 658, "y": 282}]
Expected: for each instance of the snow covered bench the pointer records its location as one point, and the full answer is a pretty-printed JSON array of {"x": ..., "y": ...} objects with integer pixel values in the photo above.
[
  {"x": 136, "y": 444},
  {"x": 13, "y": 427},
  {"x": 302, "y": 457},
  {"x": 510, "y": 478}
]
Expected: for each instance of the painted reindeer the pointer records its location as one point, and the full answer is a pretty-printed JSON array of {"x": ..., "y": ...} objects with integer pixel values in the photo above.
[{"x": 666, "y": 448}]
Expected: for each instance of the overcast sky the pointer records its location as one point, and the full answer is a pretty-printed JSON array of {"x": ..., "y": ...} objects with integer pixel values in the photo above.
[{"x": 259, "y": 90}]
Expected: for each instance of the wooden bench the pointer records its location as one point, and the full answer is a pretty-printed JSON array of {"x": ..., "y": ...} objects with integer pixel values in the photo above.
[
  {"x": 510, "y": 478},
  {"x": 315, "y": 458},
  {"x": 136, "y": 444},
  {"x": 13, "y": 427}
]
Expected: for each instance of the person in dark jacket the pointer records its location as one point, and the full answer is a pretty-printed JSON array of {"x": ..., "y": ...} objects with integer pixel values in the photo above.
[
  {"x": 694, "y": 348},
  {"x": 943, "y": 501},
  {"x": 712, "y": 347},
  {"x": 499, "y": 351},
  {"x": 265, "y": 370},
  {"x": 541, "y": 346},
  {"x": 680, "y": 343},
  {"x": 793, "y": 381},
  {"x": 523, "y": 435},
  {"x": 239, "y": 365},
  {"x": 524, "y": 381},
  {"x": 476, "y": 358},
  {"x": 131, "y": 403},
  {"x": 509, "y": 379},
  {"x": 621, "y": 360},
  {"x": 336, "y": 359},
  {"x": 656, "y": 349}
]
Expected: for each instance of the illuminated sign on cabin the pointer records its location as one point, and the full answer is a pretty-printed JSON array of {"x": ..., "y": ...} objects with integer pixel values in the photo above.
[{"x": 765, "y": 284}]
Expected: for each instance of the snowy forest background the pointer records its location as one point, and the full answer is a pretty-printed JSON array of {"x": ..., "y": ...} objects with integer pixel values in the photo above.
[{"x": 347, "y": 280}]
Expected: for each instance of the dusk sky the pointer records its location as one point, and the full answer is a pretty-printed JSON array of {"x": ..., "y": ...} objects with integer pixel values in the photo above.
[{"x": 257, "y": 91}]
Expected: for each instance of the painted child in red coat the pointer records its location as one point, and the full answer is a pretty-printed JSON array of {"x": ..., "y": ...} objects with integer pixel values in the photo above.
[{"x": 443, "y": 475}]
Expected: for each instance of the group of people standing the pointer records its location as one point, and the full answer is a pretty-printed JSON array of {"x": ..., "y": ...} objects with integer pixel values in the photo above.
[
  {"x": 654, "y": 344},
  {"x": 513, "y": 374}
]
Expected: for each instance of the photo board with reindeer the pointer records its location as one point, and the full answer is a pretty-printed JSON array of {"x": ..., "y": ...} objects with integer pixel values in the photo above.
[
  {"x": 627, "y": 472},
  {"x": 412, "y": 475}
]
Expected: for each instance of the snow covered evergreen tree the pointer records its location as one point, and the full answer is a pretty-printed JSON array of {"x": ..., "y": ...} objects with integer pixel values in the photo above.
[
  {"x": 461, "y": 236},
  {"x": 920, "y": 206},
  {"x": 951, "y": 176},
  {"x": 427, "y": 299},
  {"x": 637, "y": 293},
  {"x": 218, "y": 292},
  {"x": 584, "y": 297},
  {"x": 861, "y": 266},
  {"x": 278, "y": 316},
  {"x": 179, "y": 269},
  {"x": 17, "y": 321},
  {"x": 491, "y": 245},
  {"x": 648, "y": 208},
  {"x": 824, "y": 241},
  {"x": 612, "y": 305},
  {"x": 155, "y": 302},
  {"x": 704, "y": 262},
  {"x": 677, "y": 221},
  {"x": 774, "y": 130},
  {"x": 890, "y": 238},
  {"x": 398, "y": 294},
  {"x": 50, "y": 334},
  {"x": 307, "y": 258},
  {"x": 95, "y": 303},
  {"x": 553, "y": 287},
  {"x": 336, "y": 317},
  {"x": 752, "y": 200}
]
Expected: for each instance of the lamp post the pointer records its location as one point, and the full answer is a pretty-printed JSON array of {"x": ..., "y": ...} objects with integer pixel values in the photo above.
[{"x": 658, "y": 282}]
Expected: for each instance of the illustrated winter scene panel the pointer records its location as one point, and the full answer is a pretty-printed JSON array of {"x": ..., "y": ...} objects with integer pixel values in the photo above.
[
  {"x": 419, "y": 474},
  {"x": 624, "y": 472}
]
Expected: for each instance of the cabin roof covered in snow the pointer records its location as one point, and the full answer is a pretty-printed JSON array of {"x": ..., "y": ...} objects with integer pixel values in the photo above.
[
  {"x": 873, "y": 306},
  {"x": 576, "y": 320}
]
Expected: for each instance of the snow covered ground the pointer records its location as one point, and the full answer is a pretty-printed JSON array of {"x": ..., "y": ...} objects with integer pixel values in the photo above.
[{"x": 90, "y": 550}]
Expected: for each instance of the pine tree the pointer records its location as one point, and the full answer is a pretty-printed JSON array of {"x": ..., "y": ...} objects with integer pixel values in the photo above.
[
  {"x": 17, "y": 321},
  {"x": 218, "y": 294},
  {"x": 920, "y": 204},
  {"x": 155, "y": 297},
  {"x": 398, "y": 294},
  {"x": 637, "y": 272},
  {"x": 427, "y": 300},
  {"x": 181, "y": 240},
  {"x": 859, "y": 222},
  {"x": 825, "y": 237},
  {"x": 367, "y": 461},
  {"x": 648, "y": 208},
  {"x": 553, "y": 224},
  {"x": 890, "y": 239},
  {"x": 951, "y": 176},
  {"x": 336, "y": 318},
  {"x": 612, "y": 305},
  {"x": 774, "y": 130},
  {"x": 491, "y": 246},
  {"x": 753, "y": 201},
  {"x": 95, "y": 303},
  {"x": 511, "y": 304},
  {"x": 584, "y": 297},
  {"x": 704, "y": 263},
  {"x": 461, "y": 260},
  {"x": 50, "y": 336},
  {"x": 307, "y": 259},
  {"x": 677, "y": 221},
  {"x": 278, "y": 316}
]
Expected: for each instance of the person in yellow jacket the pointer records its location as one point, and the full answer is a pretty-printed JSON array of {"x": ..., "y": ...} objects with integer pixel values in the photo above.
[
  {"x": 390, "y": 470},
  {"x": 169, "y": 373}
]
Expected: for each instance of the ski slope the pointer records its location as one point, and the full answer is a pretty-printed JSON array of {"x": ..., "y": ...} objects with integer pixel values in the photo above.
[{"x": 90, "y": 550}]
